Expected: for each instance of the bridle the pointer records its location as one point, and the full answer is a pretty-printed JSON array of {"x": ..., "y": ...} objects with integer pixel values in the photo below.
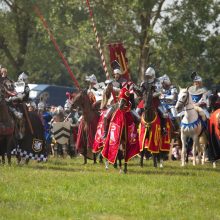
[{"x": 185, "y": 102}]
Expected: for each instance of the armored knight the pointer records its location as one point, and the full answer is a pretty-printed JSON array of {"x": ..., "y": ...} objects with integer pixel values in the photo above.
[
  {"x": 199, "y": 93},
  {"x": 22, "y": 96},
  {"x": 93, "y": 91},
  {"x": 150, "y": 81},
  {"x": 168, "y": 96}
]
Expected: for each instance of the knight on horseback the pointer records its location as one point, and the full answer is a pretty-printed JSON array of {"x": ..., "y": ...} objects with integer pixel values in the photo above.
[
  {"x": 122, "y": 132},
  {"x": 150, "y": 81},
  {"x": 18, "y": 101},
  {"x": 120, "y": 83},
  {"x": 168, "y": 98},
  {"x": 199, "y": 93}
]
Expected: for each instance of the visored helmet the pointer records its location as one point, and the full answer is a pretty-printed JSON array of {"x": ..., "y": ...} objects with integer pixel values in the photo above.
[
  {"x": 150, "y": 74},
  {"x": 23, "y": 77}
]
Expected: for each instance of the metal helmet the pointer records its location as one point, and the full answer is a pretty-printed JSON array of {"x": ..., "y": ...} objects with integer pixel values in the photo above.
[
  {"x": 67, "y": 106},
  {"x": 150, "y": 74},
  {"x": 91, "y": 79},
  {"x": 59, "y": 109},
  {"x": 165, "y": 80},
  {"x": 23, "y": 77},
  {"x": 32, "y": 104},
  {"x": 197, "y": 78},
  {"x": 41, "y": 106}
]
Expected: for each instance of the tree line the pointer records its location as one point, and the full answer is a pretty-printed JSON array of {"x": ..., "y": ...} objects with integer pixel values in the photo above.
[{"x": 176, "y": 37}]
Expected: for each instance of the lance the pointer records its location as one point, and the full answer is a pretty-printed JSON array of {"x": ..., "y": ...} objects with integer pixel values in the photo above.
[
  {"x": 98, "y": 40},
  {"x": 99, "y": 47},
  {"x": 40, "y": 15}
]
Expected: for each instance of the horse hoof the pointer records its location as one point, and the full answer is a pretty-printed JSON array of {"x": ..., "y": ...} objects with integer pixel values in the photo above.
[
  {"x": 214, "y": 164},
  {"x": 161, "y": 165},
  {"x": 120, "y": 171},
  {"x": 106, "y": 167}
]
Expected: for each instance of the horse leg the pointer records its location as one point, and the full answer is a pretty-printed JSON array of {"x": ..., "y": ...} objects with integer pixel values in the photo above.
[
  {"x": 100, "y": 158},
  {"x": 141, "y": 158},
  {"x": 116, "y": 163},
  {"x": 195, "y": 147},
  {"x": 160, "y": 158},
  {"x": 3, "y": 158},
  {"x": 94, "y": 158},
  {"x": 183, "y": 153},
  {"x": 125, "y": 167},
  {"x": 85, "y": 154},
  {"x": 9, "y": 143},
  {"x": 106, "y": 164},
  {"x": 154, "y": 159},
  {"x": 120, "y": 159}
]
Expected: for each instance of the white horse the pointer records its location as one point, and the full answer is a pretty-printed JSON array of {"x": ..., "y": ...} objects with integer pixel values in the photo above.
[{"x": 191, "y": 126}]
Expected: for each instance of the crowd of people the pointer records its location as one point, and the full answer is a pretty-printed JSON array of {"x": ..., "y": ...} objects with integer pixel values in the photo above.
[{"x": 105, "y": 97}]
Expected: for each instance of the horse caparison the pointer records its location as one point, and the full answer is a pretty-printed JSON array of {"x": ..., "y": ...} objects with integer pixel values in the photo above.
[{"x": 87, "y": 126}]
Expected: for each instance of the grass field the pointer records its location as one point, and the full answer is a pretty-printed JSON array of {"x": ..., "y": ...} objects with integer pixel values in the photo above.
[{"x": 66, "y": 189}]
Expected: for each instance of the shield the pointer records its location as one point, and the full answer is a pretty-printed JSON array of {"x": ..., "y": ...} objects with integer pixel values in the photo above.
[{"x": 61, "y": 132}]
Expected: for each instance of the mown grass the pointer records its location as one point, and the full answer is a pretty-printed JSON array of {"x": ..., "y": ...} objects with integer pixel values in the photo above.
[{"x": 66, "y": 189}]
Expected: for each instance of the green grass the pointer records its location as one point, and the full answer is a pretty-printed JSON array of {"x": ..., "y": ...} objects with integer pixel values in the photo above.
[{"x": 66, "y": 189}]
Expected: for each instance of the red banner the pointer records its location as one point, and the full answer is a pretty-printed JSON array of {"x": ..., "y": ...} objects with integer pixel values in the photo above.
[{"x": 118, "y": 52}]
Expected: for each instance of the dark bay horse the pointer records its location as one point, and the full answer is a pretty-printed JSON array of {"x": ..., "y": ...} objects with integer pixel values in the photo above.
[
  {"x": 88, "y": 125},
  {"x": 6, "y": 127},
  {"x": 150, "y": 136}
]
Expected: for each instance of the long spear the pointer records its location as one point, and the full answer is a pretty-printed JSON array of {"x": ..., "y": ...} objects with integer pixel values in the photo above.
[
  {"x": 39, "y": 14},
  {"x": 98, "y": 40},
  {"x": 99, "y": 47}
]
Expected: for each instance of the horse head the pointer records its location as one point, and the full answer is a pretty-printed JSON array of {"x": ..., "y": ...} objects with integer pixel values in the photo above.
[
  {"x": 81, "y": 100},
  {"x": 148, "y": 97},
  {"x": 183, "y": 99}
]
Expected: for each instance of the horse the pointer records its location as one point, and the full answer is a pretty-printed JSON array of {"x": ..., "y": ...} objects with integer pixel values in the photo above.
[
  {"x": 88, "y": 125},
  {"x": 122, "y": 138},
  {"x": 31, "y": 144},
  {"x": 214, "y": 136},
  {"x": 150, "y": 136},
  {"x": 191, "y": 126},
  {"x": 7, "y": 126}
]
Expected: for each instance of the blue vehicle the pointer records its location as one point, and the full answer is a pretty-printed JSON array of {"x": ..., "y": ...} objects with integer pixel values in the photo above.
[{"x": 56, "y": 94}]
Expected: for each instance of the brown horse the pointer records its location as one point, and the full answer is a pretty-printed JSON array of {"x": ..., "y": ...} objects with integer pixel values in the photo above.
[
  {"x": 88, "y": 125},
  {"x": 150, "y": 136},
  {"x": 6, "y": 127}
]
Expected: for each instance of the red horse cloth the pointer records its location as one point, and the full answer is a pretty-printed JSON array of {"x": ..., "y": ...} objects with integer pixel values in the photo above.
[
  {"x": 153, "y": 140},
  {"x": 121, "y": 120},
  {"x": 88, "y": 138},
  {"x": 166, "y": 139},
  {"x": 98, "y": 140}
]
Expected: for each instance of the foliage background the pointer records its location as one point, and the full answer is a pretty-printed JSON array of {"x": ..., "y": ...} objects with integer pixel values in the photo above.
[{"x": 175, "y": 36}]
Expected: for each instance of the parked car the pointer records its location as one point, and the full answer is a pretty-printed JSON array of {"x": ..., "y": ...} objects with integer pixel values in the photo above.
[{"x": 56, "y": 94}]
